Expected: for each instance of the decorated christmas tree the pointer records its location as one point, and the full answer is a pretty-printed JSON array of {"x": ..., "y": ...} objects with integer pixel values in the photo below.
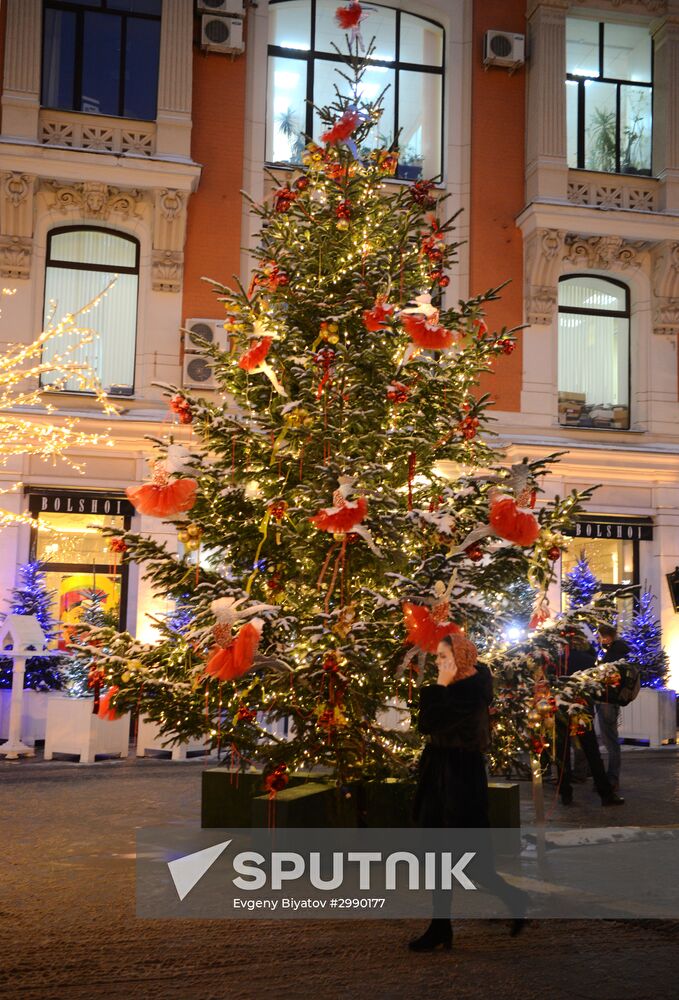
[
  {"x": 581, "y": 585},
  {"x": 340, "y": 504},
  {"x": 80, "y": 678},
  {"x": 644, "y": 637},
  {"x": 32, "y": 597}
]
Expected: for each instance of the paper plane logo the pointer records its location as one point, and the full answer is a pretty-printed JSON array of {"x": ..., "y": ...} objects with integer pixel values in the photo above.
[{"x": 187, "y": 872}]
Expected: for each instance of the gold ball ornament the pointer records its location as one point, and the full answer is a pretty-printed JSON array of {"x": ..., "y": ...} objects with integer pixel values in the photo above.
[
  {"x": 192, "y": 545},
  {"x": 333, "y": 338},
  {"x": 194, "y": 531},
  {"x": 333, "y": 328},
  {"x": 183, "y": 536},
  {"x": 534, "y": 717},
  {"x": 339, "y": 536},
  {"x": 125, "y": 676},
  {"x": 342, "y": 224}
]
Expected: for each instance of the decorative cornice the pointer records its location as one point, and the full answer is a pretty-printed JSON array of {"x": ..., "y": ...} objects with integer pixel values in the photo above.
[
  {"x": 543, "y": 257},
  {"x": 93, "y": 199},
  {"x": 17, "y": 187},
  {"x": 167, "y": 270},
  {"x": 665, "y": 276},
  {"x": 171, "y": 204},
  {"x": 652, "y": 6},
  {"x": 604, "y": 252},
  {"x": 15, "y": 256}
]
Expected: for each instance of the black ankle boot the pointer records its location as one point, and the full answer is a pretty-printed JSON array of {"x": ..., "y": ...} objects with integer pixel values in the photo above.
[{"x": 439, "y": 932}]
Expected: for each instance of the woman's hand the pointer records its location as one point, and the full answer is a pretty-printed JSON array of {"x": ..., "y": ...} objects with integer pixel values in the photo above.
[{"x": 447, "y": 673}]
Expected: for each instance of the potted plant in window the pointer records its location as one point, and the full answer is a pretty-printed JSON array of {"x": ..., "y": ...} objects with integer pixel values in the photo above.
[
  {"x": 410, "y": 165},
  {"x": 288, "y": 125}
]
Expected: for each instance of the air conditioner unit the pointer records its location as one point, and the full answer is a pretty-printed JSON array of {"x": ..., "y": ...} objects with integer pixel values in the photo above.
[
  {"x": 221, "y": 34},
  {"x": 502, "y": 48},
  {"x": 235, "y": 8},
  {"x": 210, "y": 330},
  {"x": 197, "y": 370}
]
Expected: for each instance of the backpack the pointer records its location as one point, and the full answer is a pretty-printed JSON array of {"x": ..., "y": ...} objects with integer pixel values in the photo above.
[{"x": 629, "y": 687}]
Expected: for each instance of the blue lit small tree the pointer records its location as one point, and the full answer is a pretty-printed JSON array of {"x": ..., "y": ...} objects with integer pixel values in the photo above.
[
  {"x": 31, "y": 597},
  {"x": 581, "y": 585},
  {"x": 644, "y": 637}
]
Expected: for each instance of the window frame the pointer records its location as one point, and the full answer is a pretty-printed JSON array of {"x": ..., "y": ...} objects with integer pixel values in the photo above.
[
  {"x": 102, "y": 269},
  {"x": 615, "y": 313},
  {"x": 122, "y": 570},
  {"x": 77, "y": 8},
  {"x": 582, "y": 81},
  {"x": 309, "y": 56}
]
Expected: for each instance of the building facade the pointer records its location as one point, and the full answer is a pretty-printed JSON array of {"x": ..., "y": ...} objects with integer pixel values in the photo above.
[{"x": 129, "y": 128}]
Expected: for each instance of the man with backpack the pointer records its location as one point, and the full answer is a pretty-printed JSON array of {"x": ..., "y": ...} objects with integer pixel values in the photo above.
[{"x": 608, "y": 713}]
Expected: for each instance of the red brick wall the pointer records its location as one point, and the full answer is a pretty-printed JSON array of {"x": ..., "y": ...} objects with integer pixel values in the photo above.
[
  {"x": 214, "y": 225},
  {"x": 497, "y": 188}
]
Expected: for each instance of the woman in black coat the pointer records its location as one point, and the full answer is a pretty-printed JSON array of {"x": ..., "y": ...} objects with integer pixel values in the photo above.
[{"x": 452, "y": 787}]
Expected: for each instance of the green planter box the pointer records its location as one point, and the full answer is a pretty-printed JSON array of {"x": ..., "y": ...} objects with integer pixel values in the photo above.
[{"x": 230, "y": 800}]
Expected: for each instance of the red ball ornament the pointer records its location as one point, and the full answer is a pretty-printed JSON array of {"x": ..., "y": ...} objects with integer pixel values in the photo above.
[
  {"x": 397, "y": 393},
  {"x": 444, "y": 281},
  {"x": 276, "y": 780},
  {"x": 283, "y": 279},
  {"x": 508, "y": 346},
  {"x": 343, "y": 210},
  {"x": 474, "y": 552},
  {"x": 302, "y": 183},
  {"x": 554, "y": 553},
  {"x": 331, "y": 663}
]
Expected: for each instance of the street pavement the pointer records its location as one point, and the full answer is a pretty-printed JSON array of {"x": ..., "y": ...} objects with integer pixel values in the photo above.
[{"x": 68, "y": 929}]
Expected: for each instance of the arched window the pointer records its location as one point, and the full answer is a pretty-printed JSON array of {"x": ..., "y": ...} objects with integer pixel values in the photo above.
[
  {"x": 80, "y": 263},
  {"x": 409, "y": 60},
  {"x": 594, "y": 352}
]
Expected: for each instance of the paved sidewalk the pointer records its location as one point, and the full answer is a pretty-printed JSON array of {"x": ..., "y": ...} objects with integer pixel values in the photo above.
[{"x": 68, "y": 929}]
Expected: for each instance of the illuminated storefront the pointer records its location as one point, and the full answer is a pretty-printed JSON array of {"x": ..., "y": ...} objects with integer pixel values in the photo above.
[
  {"x": 66, "y": 538},
  {"x": 611, "y": 546}
]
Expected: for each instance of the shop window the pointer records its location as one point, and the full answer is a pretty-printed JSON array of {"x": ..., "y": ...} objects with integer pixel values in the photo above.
[
  {"x": 77, "y": 564},
  {"x": 101, "y": 56},
  {"x": 609, "y": 96},
  {"x": 594, "y": 351},
  {"x": 614, "y": 562},
  {"x": 80, "y": 264},
  {"x": 408, "y": 60}
]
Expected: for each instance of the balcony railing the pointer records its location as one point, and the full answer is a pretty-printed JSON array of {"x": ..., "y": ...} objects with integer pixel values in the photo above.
[
  {"x": 97, "y": 133},
  {"x": 613, "y": 191}
]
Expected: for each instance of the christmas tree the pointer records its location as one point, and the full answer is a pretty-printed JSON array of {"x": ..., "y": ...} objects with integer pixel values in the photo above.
[
  {"x": 334, "y": 540},
  {"x": 644, "y": 637},
  {"x": 581, "y": 585},
  {"x": 32, "y": 597},
  {"x": 77, "y": 666}
]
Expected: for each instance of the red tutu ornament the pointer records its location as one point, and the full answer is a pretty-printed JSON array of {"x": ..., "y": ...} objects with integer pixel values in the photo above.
[
  {"x": 255, "y": 355},
  {"x": 513, "y": 524},
  {"x": 349, "y": 17},
  {"x": 162, "y": 498},
  {"x": 106, "y": 709},
  {"x": 342, "y": 129},
  {"x": 425, "y": 626},
  {"x": 227, "y": 662},
  {"x": 346, "y": 515},
  {"x": 341, "y": 518},
  {"x": 425, "y": 334},
  {"x": 379, "y": 317},
  {"x": 254, "y": 361}
]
